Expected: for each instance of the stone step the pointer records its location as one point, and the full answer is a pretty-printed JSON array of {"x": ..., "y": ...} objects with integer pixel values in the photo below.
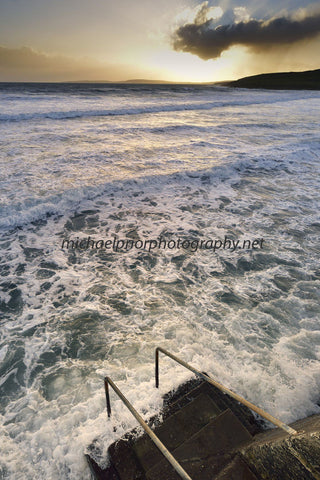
[
  {"x": 244, "y": 414},
  {"x": 124, "y": 461},
  {"x": 237, "y": 469},
  {"x": 176, "y": 429},
  {"x": 223, "y": 402},
  {"x": 205, "y": 454},
  {"x": 176, "y": 405}
]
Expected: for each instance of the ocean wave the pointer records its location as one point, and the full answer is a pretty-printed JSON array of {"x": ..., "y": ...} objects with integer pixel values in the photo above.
[
  {"x": 39, "y": 208},
  {"x": 143, "y": 109}
]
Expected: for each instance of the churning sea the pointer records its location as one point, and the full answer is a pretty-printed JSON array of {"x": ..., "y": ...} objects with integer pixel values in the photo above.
[{"x": 147, "y": 162}]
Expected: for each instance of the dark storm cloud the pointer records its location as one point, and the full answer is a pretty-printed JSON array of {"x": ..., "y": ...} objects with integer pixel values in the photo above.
[{"x": 205, "y": 39}]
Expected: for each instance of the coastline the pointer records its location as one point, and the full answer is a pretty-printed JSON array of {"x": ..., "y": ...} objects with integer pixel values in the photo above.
[{"x": 308, "y": 80}]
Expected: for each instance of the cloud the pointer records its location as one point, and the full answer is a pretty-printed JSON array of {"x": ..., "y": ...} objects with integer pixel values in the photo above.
[
  {"x": 26, "y": 59},
  {"x": 204, "y": 38},
  {"x": 27, "y": 64}
]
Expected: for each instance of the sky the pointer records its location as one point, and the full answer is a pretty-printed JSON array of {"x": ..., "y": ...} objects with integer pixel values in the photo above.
[{"x": 174, "y": 40}]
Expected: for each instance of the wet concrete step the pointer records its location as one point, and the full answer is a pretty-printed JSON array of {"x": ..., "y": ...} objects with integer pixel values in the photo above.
[
  {"x": 176, "y": 429},
  {"x": 124, "y": 462},
  {"x": 207, "y": 452},
  {"x": 237, "y": 469},
  {"x": 223, "y": 402},
  {"x": 176, "y": 404}
]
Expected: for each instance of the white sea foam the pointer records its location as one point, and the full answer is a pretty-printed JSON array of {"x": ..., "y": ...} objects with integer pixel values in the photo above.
[{"x": 250, "y": 318}]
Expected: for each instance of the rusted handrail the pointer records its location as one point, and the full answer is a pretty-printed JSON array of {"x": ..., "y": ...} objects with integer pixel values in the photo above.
[
  {"x": 107, "y": 381},
  {"x": 221, "y": 387}
]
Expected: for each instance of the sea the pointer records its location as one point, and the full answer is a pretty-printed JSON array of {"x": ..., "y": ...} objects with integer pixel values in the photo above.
[{"x": 137, "y": 216}]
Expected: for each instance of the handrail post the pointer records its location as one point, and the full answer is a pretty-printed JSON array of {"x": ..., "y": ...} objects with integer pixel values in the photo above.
[
  {"x": 157, "y": 367},
  {"x": 106, "y": 386}
]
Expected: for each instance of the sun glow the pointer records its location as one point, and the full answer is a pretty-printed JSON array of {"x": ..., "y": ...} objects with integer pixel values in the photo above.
[{"x": 185, "y": 67}]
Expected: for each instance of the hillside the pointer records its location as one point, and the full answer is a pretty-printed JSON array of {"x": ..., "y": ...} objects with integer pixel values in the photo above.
[{"x": 309, "y": 80}]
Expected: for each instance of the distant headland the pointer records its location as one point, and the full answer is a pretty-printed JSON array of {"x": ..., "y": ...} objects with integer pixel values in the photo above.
[{"x": 309, "y": 80}]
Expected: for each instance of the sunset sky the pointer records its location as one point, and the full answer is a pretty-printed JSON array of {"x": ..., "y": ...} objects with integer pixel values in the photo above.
[{"x": 176, "y": 40}]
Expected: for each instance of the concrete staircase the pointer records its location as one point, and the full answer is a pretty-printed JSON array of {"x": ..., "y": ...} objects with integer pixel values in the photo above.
[
  {"x": 213, "y": 437},
  {"x": 204, "y": 454},
  {"x": 201, "y": 427}
]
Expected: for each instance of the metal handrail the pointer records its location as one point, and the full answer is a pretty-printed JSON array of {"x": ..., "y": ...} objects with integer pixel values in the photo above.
[
  {"x": 107, "y": 381},
  {"x": 221, "y": 387}
]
